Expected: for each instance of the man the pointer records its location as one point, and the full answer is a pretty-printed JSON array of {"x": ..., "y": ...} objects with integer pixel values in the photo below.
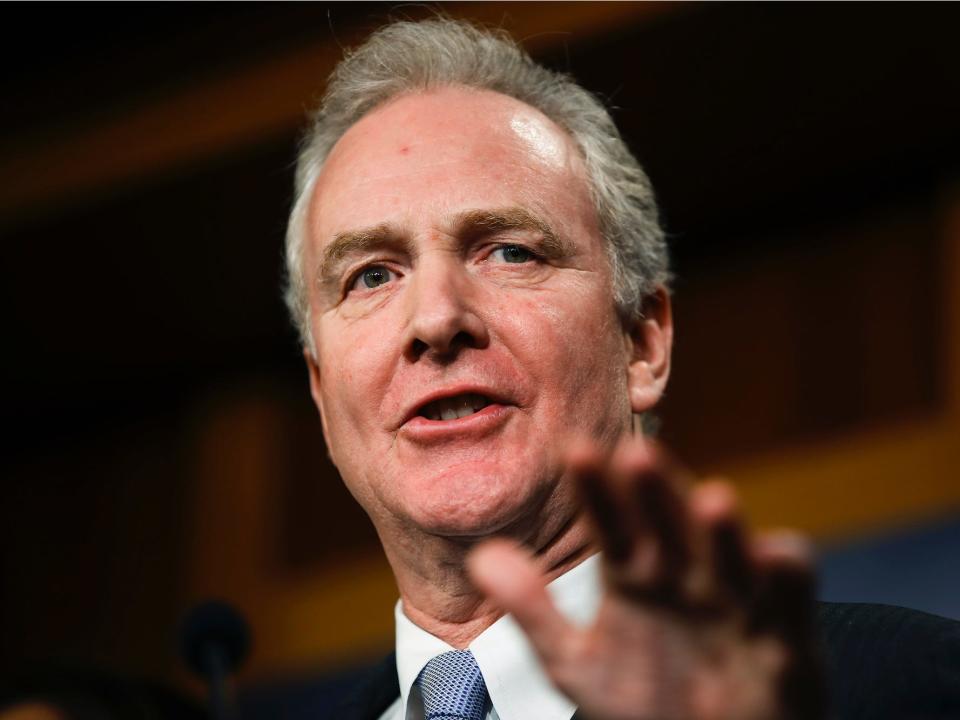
[{"x": 480, "y": 284}]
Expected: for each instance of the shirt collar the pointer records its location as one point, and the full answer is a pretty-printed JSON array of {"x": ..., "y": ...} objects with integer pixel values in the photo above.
[{"x": 518, "y": 687}]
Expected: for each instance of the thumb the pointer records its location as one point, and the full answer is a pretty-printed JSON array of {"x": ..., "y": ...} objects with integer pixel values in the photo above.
[{"x": 508, "y": 576}]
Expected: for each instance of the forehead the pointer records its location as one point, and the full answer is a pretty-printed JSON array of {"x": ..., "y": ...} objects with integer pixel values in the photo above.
[{"x": 437, "y": 153}]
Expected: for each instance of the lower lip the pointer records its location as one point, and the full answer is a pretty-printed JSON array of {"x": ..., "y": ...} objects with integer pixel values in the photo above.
[{"x": 421, "y": 429}]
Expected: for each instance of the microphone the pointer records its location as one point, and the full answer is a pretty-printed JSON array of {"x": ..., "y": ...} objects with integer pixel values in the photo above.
[{"x": 214, "y": 642}]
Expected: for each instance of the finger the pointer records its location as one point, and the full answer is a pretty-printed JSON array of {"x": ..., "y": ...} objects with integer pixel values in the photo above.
[
  {"x": 785, "y": 608},
  {"x": 602, "y": 500},
  {"x": 681, "y": 477},
  {"x": 786, "y": 587},
  {"x": 662, "y": 545},
  {"x": 508, "y": 576},
  {"x": 731, "y": 574}
]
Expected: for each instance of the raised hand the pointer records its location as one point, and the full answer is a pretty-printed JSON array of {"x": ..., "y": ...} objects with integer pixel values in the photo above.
[{"x": 699, "y": 620}]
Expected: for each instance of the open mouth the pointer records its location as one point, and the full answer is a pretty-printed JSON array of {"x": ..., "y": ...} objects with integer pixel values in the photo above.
[{"x": 455, "y": 407}]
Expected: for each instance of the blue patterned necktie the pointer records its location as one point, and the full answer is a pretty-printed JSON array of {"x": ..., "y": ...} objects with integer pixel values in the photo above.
[{"x": 453, "y": 687}]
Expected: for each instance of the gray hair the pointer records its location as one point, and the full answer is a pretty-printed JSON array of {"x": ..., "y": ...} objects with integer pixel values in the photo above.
[{"x": 406, "y": 57}]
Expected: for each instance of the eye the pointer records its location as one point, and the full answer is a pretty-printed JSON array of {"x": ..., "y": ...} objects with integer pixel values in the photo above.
[
  {"x": 372, "y": 277},
  {"x": 513, "y": 254}
]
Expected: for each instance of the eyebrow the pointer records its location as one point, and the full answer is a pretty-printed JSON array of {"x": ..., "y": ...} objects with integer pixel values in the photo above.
[
  {"x": 482, "y": 222},
  {"x": 471, "y": 223},
  {"x": 356, "y": 242}
]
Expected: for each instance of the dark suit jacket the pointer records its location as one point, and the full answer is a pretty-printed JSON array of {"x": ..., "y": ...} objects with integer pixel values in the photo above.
[{"x": 882, "y": 662}]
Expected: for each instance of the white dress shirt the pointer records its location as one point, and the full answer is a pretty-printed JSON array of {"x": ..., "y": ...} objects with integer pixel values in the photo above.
[{"x": 518, "y": 687}]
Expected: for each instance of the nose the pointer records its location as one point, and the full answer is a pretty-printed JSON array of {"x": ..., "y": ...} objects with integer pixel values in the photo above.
[{"x": 442, "y": 312}]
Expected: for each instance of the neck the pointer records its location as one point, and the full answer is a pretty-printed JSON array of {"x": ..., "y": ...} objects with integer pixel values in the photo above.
[{"x": 439, "y": 597}]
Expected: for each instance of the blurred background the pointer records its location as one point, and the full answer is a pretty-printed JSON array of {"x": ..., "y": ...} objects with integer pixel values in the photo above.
[{"x": 160, "y": 442}]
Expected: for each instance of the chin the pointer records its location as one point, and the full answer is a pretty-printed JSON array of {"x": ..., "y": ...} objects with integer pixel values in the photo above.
[{"x": 472, "y": 502}]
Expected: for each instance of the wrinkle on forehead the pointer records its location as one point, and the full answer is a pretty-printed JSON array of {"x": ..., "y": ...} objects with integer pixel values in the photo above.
[
  {"x": 425, "y": 166},
  {"x": 476, "y": 136}
]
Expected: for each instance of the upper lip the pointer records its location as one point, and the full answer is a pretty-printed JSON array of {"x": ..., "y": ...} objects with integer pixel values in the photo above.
[{"x": 413, "y": 409}]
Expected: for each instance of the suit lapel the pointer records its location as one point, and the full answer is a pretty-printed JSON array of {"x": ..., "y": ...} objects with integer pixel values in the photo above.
[{"x": 373, "y": 694}]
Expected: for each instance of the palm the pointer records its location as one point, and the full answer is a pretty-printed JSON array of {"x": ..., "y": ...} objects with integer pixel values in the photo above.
[{"x": 698, "y": 622}]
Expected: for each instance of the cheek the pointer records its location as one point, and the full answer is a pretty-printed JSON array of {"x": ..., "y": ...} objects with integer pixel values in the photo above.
[
  {"x": 355, "y": 371},
  {"x": 571, "y": 347}
]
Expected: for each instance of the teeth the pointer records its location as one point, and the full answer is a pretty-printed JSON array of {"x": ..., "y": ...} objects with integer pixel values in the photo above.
[
  {"x": 466, "y": 408},
  {"x": 455, "y": 407}
]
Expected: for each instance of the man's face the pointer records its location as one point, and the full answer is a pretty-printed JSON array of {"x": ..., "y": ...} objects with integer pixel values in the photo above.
[{"x": 463, "y": 314}]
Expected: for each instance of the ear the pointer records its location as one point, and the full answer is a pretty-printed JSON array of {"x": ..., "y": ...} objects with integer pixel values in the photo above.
[{"x": 650, "y": 341}]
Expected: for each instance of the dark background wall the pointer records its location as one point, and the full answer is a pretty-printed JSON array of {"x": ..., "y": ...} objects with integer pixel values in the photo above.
[{"x": 160, "y": 444}]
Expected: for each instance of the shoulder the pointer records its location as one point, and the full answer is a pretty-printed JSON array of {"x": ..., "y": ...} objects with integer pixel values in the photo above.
[
  {"x": 890, "y": 662},
  {"x": 373, "y": 693},
  {"x": 883, "y": 663}
]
